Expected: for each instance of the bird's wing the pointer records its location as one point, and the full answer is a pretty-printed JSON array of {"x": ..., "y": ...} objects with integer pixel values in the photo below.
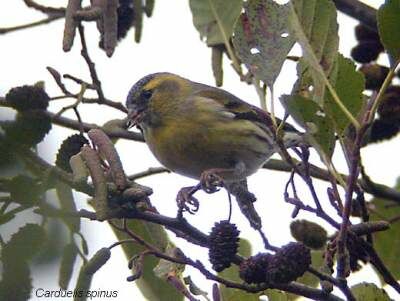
[{"x": 238, "y": 107}]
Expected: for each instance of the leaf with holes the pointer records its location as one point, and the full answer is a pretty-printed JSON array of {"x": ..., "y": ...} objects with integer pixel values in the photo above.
[
  {"x": 312, "y": 23},
  {"x": 319, "y": 129},
  {"x": 215, "y": 19},
  {"x": 389, "y": 27},
  {"x": 349, "y": 85},
  {"x": 261, "y": 38}
]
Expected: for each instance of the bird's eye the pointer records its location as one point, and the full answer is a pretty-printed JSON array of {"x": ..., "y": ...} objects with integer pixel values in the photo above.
[{"x": 146, "y": 94}]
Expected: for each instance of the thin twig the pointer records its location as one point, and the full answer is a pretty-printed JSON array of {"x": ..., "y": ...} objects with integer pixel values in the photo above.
[
  {"x": 359, "y": 11},
  {"x": 45, "y": 9},
  {"x": 149, "y": 172},
  {"x": 47, "y": 20},
  {"x": 90, "y": 64}
]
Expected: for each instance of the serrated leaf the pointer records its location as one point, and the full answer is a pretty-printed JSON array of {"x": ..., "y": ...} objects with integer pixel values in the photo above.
[
  {"x": 261, "y": 38},
  {"x": 29, "y": 237},
  {"x": 232, "y": 273},
  {"x": 215, "y": 19},
  {"x": 67, "y": 265},
  {"x": 67, "y": 203},
  {"x": 311, "y": 117},
  {"x": 313, "y": 25},
  {"x": 387, "y": 243},
  {"x": 152, "y": 287},
  {"x": 16, "y": 283},
  {"x": 24, "y": 190},
  {"x": 389, "y": 27},
  {"x": 369, "y": 292},
  {"x": 349, "y": 85}
]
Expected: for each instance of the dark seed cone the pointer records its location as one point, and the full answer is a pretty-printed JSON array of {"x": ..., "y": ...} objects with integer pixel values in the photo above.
[
  {"x": 374, "y": 75},
  {"x": 28, "y": 98},
  {"x": 126, "y": 16},
  {"x": 289, "y": 263},
  {"x": 70, "y": 146},
  {"x": 28, "y": 129},
  {"x": 356, "y": 209},
  {"x": 224, "y": 238},
  {"x": 366, "y": 51},
  {"x": 363, "y": 33},
  {"x": 382, "y": 130},
  {"x": 356, "y": 254},
  {"x": 254, "y": 269},
  {"x": 310, "y": 234},
  {"x": 389, "y": 108}
]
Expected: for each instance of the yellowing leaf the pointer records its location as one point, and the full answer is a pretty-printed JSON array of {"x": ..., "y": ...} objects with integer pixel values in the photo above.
[
  {"x": 214, "y": 19},
  {"x": 261, "y": 38}
]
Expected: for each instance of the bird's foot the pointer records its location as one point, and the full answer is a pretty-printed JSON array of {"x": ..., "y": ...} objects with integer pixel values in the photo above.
[
  {"x": 186, "y": 201},
  {"x": 211, "y": 181}
]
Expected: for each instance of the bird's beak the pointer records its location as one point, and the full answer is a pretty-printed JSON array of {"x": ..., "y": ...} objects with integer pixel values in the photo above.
[{"x": 134, "y": 117}]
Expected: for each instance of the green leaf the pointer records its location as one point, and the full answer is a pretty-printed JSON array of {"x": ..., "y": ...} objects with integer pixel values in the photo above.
[
  {"x": 151, "y": 286},
  {"x": 16, "y": 283},
  {"x": 349, "y": 85},
  {"x": 67, "y": 202},
  {"x": 261, "y": 38},
  {"x": 276, "y": 295},
  {"x": 310, "y": 116},
  {"x": 232, "y": 273},
  {"x": 387, "y": 243},
  {"x": 24, "y": 190},
  {"x": 369, "y": 292},
  {"x": 313, "y": 24},
  {"x": 215, "y": 19},
  {"x": 389, "y": 27},
  {"x": 30, "y": 237},
  {"x": 67, "y": 265}
]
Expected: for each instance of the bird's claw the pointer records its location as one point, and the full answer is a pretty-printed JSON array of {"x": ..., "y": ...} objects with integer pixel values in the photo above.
[
  {"x": 210, "y": 181},
  {"x": 186, "y": 201}
]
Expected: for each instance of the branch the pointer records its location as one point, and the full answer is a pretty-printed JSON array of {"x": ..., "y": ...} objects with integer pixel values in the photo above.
[
  {"x": 90, "y": 64},
  {"x": 57, "y": 78},
  {"x": 75, "y": 125},
  {"x": 376, "y": 189},
  {"x": 45, "y": 9},
  {"x": 359, "y": 11},
  {"x": 149, "y": 172}
]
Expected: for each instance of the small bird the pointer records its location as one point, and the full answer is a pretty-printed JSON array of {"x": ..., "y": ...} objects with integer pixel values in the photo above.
[{"x": 202, "y": 132}]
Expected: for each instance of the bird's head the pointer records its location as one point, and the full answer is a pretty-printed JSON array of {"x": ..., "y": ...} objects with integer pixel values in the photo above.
[{"x": 154, "y": 97}]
